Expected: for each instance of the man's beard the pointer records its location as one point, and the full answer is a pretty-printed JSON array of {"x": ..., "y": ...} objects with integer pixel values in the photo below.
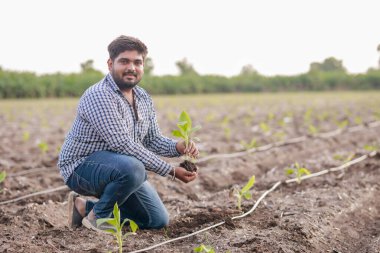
[{"x": 123, "y": 85}]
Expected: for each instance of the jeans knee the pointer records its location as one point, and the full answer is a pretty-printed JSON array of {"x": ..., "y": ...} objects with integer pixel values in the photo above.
[
  {"x": 160, "y": 221},
  {"x": 132, "y": 170}
]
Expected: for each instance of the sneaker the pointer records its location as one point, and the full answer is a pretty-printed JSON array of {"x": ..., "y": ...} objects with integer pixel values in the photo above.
[
  {"x": 102, "y": 228},
  {"x": 75, "y": 218}
]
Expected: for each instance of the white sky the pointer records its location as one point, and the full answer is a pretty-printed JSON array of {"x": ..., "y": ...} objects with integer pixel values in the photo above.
[{"x": 216, "y": 36}]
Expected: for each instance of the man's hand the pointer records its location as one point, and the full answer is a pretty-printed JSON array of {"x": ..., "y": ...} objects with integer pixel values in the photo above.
[
  {"x": 184, "y": 175},
  {"x": 191, "y": 150}
]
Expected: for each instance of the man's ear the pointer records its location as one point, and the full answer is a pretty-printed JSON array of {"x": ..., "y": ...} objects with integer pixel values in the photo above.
[{"x": 109, "y": 63}]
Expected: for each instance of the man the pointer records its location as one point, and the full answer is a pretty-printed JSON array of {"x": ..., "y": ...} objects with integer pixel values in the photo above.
[{"x": 114, "y": 139}]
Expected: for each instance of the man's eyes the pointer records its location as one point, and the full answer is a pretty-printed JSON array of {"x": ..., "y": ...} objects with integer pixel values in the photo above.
[{"x": 138, "y": 63}]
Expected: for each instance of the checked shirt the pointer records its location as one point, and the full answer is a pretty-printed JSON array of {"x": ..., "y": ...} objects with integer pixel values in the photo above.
[{"x": 106, "y": 121}]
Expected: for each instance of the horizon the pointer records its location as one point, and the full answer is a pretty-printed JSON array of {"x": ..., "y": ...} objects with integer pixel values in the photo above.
[{"x": 276, "y": 38}]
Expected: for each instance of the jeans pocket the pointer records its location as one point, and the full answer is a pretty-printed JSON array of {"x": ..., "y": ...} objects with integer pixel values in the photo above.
[{"x": 81, "y": 185}]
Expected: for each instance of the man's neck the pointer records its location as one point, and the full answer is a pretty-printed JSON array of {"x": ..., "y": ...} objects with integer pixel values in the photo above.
[{"x": 128, "y": 94}]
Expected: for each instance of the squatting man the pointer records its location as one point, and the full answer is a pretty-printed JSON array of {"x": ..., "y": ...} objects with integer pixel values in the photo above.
[{"x": 114, "y": 139}]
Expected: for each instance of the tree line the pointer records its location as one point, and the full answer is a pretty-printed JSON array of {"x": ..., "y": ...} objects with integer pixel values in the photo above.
[{"x": 327, "y": 75}]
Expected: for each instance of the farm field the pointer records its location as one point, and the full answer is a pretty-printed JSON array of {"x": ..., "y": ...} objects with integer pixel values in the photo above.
[{"x": 334, "y": 212}]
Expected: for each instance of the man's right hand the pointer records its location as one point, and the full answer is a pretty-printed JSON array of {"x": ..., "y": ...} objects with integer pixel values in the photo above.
[{"x": 184, "y": 175}]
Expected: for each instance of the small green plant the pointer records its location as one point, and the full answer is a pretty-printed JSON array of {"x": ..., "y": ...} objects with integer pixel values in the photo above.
[
  {"x": 343, "y": 158},
  {"x": 264, "y": 127},
  {"x": 371, "y": 148},
  {"x": 227, "y": 132},
  {"x": 26, "y": 136},
  {"x": 43, "y": 146},
  {"x": 3, "y": 175},
  {"x": 252, "y": 144},
  {"x": 244, "y": 192},
  {"x": 342, "y": 124},
  {"x": 115, "y": 223},
  {"x": 204, "y": 248},
  {"x": 298, "y": 171},
  {"x": 313, "y": 129},
  {"x": 358, "y": 120},
  {"x": 185, "y": 129}
]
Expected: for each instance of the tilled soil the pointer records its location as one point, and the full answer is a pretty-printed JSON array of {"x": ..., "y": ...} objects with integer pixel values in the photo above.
[{"x": 335, "y": 212}]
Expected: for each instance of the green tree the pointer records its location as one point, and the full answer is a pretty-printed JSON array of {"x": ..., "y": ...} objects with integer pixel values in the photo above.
[
  {"x": 185, "y": 68},
  {"x": 87, "y": 66},
  {"x": 248, "y": 70},
  {"x": 148, "y": 66},
  {"x": 330, "y": 64}
]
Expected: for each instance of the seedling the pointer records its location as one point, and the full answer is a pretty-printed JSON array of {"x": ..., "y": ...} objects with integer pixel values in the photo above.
[
  {"x": 227, "y": 133},
  {"x": 117, "y": 231},
  {"x": 312, "y": 129},
  {"x": 371, "y": 148},
  {"x": 344, "y": 159},
  {"x": 264, "y": 127},
  {"x": 185, "y": 131},
  {"x": 244, "y": 192},
  {"x": 26, "y": 136},
  {"x": 43, "y": 146},
  {"x": 343, "y": 124},
  {"x": 204, "y": 248},
  {"x": 252, "y": 144},
  {"x": 358, "y": 120},
  {"x": 2, "y": 178},
  {"x": 298, "y": 171}
]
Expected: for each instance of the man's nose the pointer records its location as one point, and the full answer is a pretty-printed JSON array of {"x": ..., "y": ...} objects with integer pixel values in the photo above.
[{"x": 131, "y": 66}]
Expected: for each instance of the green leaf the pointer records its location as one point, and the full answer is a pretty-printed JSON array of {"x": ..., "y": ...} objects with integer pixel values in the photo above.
[
  {"x": 248, "y": 185},
  {"x": 111, "y": 231},
  {"x": 103, "y": 220},
  {"x": 2, "y": 176},
  {"x": 192, "y": 130},
  {"x": 196, "y": 139},
  {"x": 116, "y": 213},
  {"x": 289, "y": 171},
  {"x": 181, "y": 123},
  {"x": 122, "y": 224},
  {"x": 133, "y": 226},
  {"x": 304, "y": 171},
  {"x": 247, "y": 195},
  {"x": 185, "y": 117},
  {"x": 177, "y": 133}
]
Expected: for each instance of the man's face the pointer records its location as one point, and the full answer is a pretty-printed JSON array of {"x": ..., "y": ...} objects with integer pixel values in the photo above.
[{"x": 127, "y": 69}]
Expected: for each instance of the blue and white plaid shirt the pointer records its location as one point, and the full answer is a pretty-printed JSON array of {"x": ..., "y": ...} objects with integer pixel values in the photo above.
[{"x": 106, "y": 121}]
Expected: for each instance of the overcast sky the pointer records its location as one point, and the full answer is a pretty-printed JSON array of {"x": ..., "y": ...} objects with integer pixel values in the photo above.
[{"x": 216, "y": 36}]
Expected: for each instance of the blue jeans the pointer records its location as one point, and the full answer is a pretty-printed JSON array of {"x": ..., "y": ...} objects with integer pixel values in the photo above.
[{"x": 113, "y": 177}]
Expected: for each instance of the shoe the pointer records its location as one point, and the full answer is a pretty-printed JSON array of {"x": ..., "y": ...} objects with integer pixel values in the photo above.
[
  {"x": 75, "y": 218},
  {"x": 102, "y": 228}
]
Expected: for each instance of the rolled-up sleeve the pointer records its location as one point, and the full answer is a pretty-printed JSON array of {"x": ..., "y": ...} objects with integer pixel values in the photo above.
[{"x": 155, "y": 141}]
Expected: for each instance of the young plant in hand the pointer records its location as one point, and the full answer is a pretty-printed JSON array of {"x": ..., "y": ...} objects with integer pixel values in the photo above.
[
  {"x": 115, "y": 223},
  {"x": 244, "y": 192},
  {"x": 185, "y": 131}
]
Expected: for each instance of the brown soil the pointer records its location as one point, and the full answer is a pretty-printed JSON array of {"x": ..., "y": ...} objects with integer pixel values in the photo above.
[
  {"x": 337, "y": 212},
  {"x": 189, "y": 166}
]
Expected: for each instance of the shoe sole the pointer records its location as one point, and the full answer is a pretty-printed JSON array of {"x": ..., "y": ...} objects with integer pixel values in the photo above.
[
  {"x": 72, "y": 209},
  {"x": 86, "y": 223}
]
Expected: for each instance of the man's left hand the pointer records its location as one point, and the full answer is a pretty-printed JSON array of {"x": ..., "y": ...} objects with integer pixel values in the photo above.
[{"x": 191, "y": 150}]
